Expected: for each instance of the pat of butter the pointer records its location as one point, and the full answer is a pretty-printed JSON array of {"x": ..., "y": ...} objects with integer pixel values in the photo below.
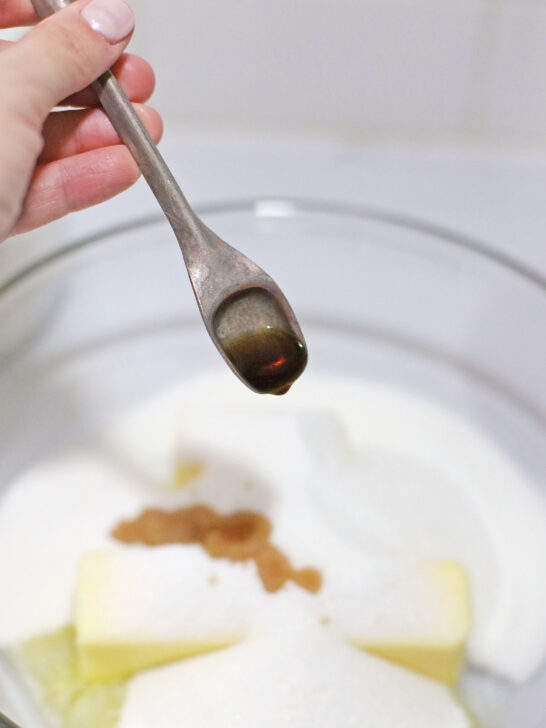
[
  {"x": 51, "y": 663},
  {"x": 438, "y": 650},
  {"x": 138, "y": 608}
]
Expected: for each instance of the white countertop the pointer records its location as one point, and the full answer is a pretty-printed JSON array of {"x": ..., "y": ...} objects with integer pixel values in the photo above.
[{"x": 497, "y": 196}]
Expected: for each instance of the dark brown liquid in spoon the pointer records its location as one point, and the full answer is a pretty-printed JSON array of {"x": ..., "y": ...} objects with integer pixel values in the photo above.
[
  {"x": 257, "y": 338},
  {"x": 270, "y": 360}
]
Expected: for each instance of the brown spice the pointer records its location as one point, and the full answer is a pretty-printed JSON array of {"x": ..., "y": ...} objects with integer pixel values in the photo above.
[{"x": 238, "y": 536}]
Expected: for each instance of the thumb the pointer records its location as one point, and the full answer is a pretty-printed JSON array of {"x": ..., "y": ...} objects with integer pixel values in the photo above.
[
  {"x": 61, "y": 55},
  {"x": 67, "y": 51}
]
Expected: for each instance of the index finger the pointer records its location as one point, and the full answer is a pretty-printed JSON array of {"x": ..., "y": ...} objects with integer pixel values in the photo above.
[{"x": 16, "y": 12}]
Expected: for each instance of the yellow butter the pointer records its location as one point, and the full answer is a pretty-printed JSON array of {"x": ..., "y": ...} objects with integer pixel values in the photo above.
[
  {"x": 139, "y": 608},
  {"x": 106, "y": 661},
  {"x": 51, "y": 662},
  {"x": 439, "y": 654}
]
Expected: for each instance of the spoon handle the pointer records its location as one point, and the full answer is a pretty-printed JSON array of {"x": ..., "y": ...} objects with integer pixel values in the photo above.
[
  {"x": 5, "y": 722},
  {"x": 134, "y": 135}
]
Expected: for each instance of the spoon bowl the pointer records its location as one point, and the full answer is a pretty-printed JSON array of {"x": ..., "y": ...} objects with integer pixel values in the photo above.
[{"x": 245, "y": 312}]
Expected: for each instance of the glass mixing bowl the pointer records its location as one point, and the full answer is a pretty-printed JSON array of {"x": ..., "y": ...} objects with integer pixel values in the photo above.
[{"x": 111, "y": 318}]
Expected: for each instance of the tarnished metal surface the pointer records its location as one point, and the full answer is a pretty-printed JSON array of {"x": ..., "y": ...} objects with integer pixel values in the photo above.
[{"x": 5, "y": 722}]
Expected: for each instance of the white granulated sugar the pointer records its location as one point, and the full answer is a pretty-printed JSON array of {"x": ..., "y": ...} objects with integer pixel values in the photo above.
[
  {"x": 335, "y": 466},
  {"x": 288, "y": 675}
]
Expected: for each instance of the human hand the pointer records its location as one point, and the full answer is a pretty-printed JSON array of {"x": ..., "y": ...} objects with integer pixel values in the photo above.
[{"x": 53, "y": 163}]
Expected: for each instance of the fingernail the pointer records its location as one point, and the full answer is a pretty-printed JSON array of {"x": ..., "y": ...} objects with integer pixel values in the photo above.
[{"x": 113, "y": 19}]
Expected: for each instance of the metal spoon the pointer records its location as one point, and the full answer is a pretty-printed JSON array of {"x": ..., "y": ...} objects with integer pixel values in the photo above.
[
  {"x": 5, "y": 722},
  {"x": 245, "y": 312}
]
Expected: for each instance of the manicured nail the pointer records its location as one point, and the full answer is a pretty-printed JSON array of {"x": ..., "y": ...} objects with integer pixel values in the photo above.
[{"x": 113, "y": 19}]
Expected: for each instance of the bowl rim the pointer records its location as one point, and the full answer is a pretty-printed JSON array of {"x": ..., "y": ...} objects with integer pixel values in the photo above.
[{"x": 270, "y": 206}]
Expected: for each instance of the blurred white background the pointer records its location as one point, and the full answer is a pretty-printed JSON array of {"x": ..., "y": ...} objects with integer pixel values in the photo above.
[
  {"x": 457, "y": 68},
  {"x": 436, "y": 108}
]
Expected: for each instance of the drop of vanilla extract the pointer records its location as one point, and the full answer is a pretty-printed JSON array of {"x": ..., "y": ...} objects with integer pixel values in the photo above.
[
  {"x": 270, "y": 360},
  {"x": 258, "y": 340}
]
